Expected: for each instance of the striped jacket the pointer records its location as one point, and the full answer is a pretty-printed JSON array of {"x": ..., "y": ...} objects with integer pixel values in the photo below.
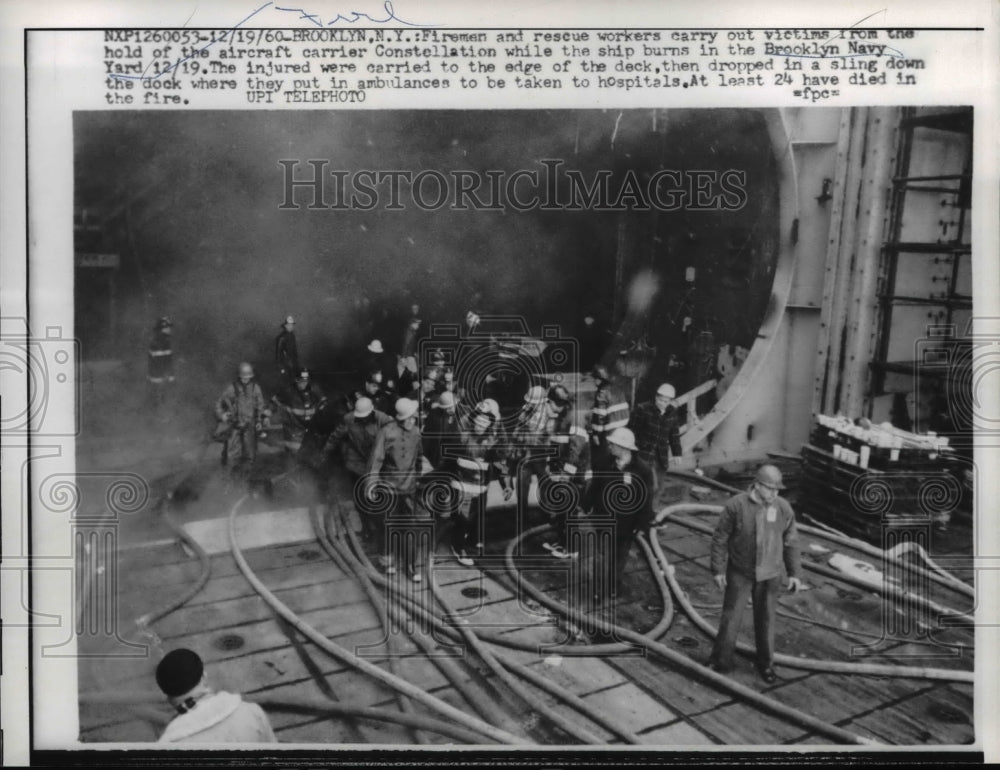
[
  {"x": 479, "y": 460},
  {"x": 610, "y": 411}
]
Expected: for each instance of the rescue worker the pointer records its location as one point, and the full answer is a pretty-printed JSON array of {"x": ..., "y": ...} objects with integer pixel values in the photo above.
[
  {"x": 656, "y": 425},
  {"x": 620, "y": 496},
  {"x": 286, "y": 352},
  {"x": 441, "y": 429},
  {"x": 355, "y": 437},
  {"x": 242, "y": 414},
  {"x": 160, "y": 371},
  {"x": 372, "y": 389},
  {"x": 754, "y": 537},
  {"x": 411, "y": 336},
  {"x": 531, "y": 449},
  {"x": 300, "y": 405},
  {"x": 610, "y": 410},
  {"x": 204, "y": 715},
  {"x": 480, "y": 459},
  {"x": 562, "y": 491},
  {"x": 391, "y": 485},
  {"x": 377, "y": 360}
]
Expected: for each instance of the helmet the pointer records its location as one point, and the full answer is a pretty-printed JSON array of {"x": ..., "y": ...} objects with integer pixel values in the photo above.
[
  {"x": 558, "y": 395},
  {"x": 163, "y": 323},
  {"x": 769, "y": 476},
  {"x": 302, "y": 374},
  {"x": 179, "y": 672},
  {"x": 445, "y": 401},
  {"x": 363, "y": 407},
  {"x": 289, "y": 320},
  {"x": 600, "y": 373},
  {"x": 624, "y": 438},
  {"x": 406, "y": 408},
  {"x": 375, "y": 346},
  {"x": 666, "y": 391},
  {"x": 535, "y": 395}
]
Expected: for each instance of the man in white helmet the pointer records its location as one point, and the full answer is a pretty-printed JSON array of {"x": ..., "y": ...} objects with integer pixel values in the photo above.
[
  {"x": 391, "y": 483},
  {"x": 621, "y": 496},
  {"x": 656, "y": 425},
  {"x": 355, "y": 437},
  {"x": 754, "y": 538}
]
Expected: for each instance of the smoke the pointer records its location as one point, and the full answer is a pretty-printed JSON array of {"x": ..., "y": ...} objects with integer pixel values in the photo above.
[{"x": 191, "y": 202}]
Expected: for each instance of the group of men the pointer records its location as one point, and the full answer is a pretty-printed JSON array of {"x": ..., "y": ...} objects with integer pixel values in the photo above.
[{"x": 416, "y": 449}]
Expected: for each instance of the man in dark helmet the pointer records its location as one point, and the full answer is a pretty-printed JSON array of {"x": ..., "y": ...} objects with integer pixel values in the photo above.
[
  {"x": 286, "y": 352},
  {"x": 204, "y": 715},
  {"x": 610, "y": 410},
  {"x": 755, "y": 534},
  {"x": 160, "y": 371}
]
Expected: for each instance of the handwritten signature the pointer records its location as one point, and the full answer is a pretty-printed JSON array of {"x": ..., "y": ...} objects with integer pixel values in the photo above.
[{"x": 355, "y": 17}]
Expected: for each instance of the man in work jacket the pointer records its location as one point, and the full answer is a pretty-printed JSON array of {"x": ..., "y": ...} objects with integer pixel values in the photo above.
[
  {"x": 480, "y": 458},
  {"x": 543, "y": 415},
  {"x": 356, "y": 437},
  {"x": 241, "y": 412},
  {"x": 620, "y": 497},
  {"x": 391, "y": 485},
  {"x": 656, "y": 425},
  {"x": 206, "y": 716},
  {"x": 755, "y": 534}
]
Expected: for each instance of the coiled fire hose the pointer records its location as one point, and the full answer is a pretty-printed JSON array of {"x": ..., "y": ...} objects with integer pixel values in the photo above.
[
  {"x": 682, "y": 662},
  {"x": 475, "y": 697},
  {"x": 396, "y": 683},
  {"x": 423, "y": 612}
]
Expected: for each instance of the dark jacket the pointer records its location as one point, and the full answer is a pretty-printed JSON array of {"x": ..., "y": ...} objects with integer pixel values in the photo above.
[
  {"x": 440, "y": 430},
  {"x": 396, "y": 458},
  {"x": 625, "y": 495},
  {"x": 286, "y": 352},
  {"x": 657, "y": 435},
  {"x": 754, "y": 552},
  {"x": 357, "y": 439},
  {"x": 161, "y": 358}
]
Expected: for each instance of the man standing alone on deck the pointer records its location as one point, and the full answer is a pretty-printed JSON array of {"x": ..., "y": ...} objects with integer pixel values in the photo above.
[{"x": 755, "y": 534}]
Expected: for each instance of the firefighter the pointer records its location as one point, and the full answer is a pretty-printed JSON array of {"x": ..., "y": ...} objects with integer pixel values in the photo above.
[
  {"x": 286, "y": 352},
  {"x": 480, "y": 458},
  {"x": 160, "y": 372},
  {"x": 620, "y": 499},
  {"x": 372, "y": 389},
  {"x": 610, "y": 410},
  {"x": 562, "y": 491},
  {"x": 355, "y": 438},
  {"x": 540, "y": 418},
  {"x": 440, "y": 429},
  {"x": 299, "y": 407},
  {"x": 242, "y": 414},
  {"x": 391, "y": 486},
  {"x": 411, "y": 336}
]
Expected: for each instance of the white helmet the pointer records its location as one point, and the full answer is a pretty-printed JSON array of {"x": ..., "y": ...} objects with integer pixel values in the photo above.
[{"x": 624, "y": 438}]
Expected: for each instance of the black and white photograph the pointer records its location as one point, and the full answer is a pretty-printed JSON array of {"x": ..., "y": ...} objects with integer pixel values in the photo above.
[
  {"x": 478, "y": 426},
  {"x": 379, "y": 388}
]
